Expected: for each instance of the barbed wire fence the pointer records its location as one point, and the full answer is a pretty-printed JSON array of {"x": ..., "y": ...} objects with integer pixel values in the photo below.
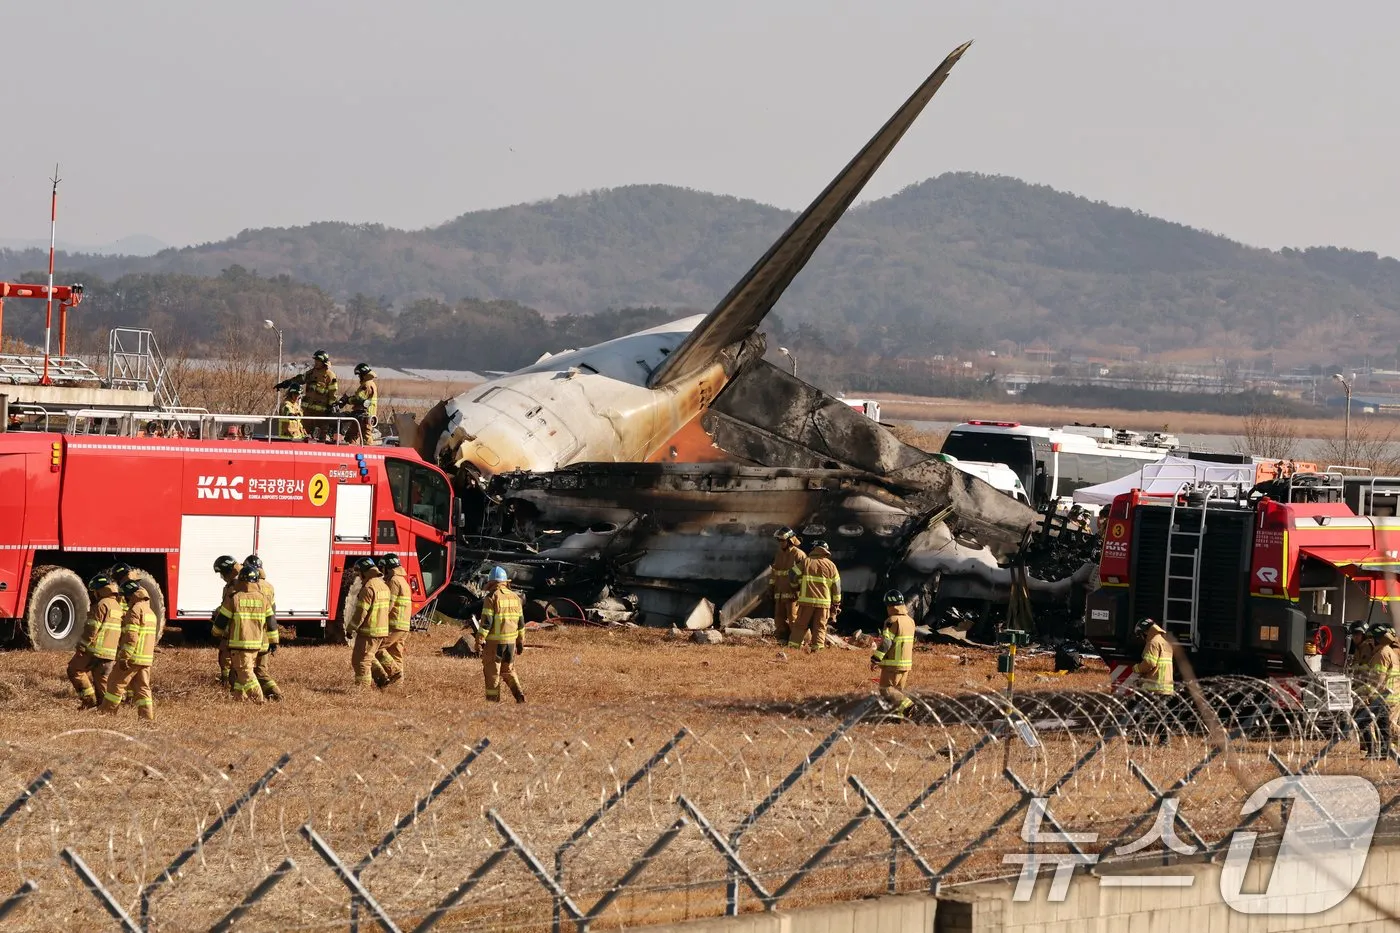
[{"x": 520, "y": 819}]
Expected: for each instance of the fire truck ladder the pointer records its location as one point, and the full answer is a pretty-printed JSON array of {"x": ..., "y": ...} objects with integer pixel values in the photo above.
[
  {"x": 1185, "y": 546},
  {"x": 134, "y": 361}
]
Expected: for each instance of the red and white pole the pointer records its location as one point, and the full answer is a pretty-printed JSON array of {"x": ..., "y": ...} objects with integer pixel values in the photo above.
[{"x": 53, "y": 239}]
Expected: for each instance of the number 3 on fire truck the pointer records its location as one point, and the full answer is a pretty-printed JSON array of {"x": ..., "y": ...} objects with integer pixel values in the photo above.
[{"x": 318, "y": 490}]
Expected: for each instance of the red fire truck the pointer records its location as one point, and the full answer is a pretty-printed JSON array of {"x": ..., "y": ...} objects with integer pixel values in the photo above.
[
  {"x": 72, "y": 504},
  {"x": 1240, "y": 576}
]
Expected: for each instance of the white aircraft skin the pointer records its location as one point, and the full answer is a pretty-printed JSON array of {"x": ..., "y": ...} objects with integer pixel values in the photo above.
[
  {"x": 589, "y": 405},
  {"x": 623, "y": 400}
]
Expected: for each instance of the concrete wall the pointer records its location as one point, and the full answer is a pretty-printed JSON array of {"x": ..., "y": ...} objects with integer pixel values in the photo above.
[
  {"x": 1088, "y": 908},
  {"x": 1091, "y": 908}
]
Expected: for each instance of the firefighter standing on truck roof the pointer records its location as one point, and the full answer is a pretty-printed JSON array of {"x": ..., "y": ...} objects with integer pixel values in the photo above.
[
  {"x": 228, "y": 569},
  {"x": 894, "y": 656},
  {"x": 502, "y": 617},
  {"x": 262, "y": 668},
  {"x": 289, "y": 426},
  {"x": 784, "y": 593},
  {"x": 92, "y": 662},
  {"x": 135, "y": 654},
  {"x": 243, "y": 623},
  {"x": 319, "y": 388},
  {"x": 389, "y": 662},
  {"x": 1155, "y": 683},
  {"x": 818, "y": 585},
  {"x": 364, "y": 404},
  {"x": 1383, "y": 695},
  {"x": 371, "y": 622}
]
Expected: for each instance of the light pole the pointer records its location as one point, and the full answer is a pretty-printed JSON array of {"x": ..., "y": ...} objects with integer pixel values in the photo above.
[
  {"x": 1346, "y": 437},
  {"x": 792, "y": 359},
  {"x": 271, "y": 326}
]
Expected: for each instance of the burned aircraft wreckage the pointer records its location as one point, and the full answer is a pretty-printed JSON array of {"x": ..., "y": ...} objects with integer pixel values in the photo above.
[{"x": 660, "y": 464}]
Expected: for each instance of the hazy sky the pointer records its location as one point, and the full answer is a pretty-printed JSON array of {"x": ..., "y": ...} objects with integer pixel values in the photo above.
[{"x": 1272, "y": 122}]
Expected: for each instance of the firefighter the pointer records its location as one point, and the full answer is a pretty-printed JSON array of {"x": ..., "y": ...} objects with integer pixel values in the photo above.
[
  {"x": 121, "y": 573},
  {"x": 319, "y": 389},
  {"x": 243, "y": 622},
  {"x": 389, "y": 662},
  {"x": 289, "y": 427},
  {"x": 364, "y": 405},
  {"x": 1384, "y": 694},
  {"x": 818, "y": 585},
  {"x": 92, "y": 662},
  {"x": 1358, "y": 650},
  {"x": 894, "y": 656},
  {"x": 1155, "y": 683},
  {"x": 262, "y": 668},
  {"x": 228, "y": 569},
  {"x": 136, "y": 652},
  {"x": 784, "y": 594},
  {"x": 502, "y": 618},
  {"x": 371, "y": 622}
]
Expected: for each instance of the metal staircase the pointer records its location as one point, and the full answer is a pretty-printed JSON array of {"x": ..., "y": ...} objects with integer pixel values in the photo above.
[{"x": 134, "y": 361}]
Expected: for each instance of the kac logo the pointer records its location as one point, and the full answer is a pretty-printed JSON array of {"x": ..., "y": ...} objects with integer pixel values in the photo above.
[{"x": 220, "y": 487}]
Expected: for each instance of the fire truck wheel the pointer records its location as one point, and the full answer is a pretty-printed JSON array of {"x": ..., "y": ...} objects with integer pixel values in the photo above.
[
  {"x": 58, "y": 606},
  {"x": 349, "y": 597}
]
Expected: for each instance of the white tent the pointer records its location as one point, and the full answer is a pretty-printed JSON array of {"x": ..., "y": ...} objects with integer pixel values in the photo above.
[{"x": 1166, "y": 476}]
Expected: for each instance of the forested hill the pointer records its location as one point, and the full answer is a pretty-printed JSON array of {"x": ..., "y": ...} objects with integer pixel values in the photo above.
[{"x": 956, "y": 261}]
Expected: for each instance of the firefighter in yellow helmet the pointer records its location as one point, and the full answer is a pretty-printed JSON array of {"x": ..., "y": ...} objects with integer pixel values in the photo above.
[
  {"x": 1155, "y": 681},
  {"x": 92, "y": 662},
  {"x": 784, "y": 592},
  {"x": 818, "y": 584},
  {"x": 136, "y": 653},
  {"x": 228, "y": 569},
  {"x": 364, "y": 406},
  {"x": 262, "y": 664},
  {"x": 389, "y": 662},
  {"x": 1383, "y": 696},
  {"x": 243, "y": 623},
  {"x": 319, "y": 389},
  {"x": 371, "y": 621},
  {"x": 894, "y": 656},
  {"x": 503, "y": 620},
  {"x": 289, "y": 424}
]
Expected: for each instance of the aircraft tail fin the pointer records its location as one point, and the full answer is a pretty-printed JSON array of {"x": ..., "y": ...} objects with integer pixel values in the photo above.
[{"x": 749, "y": 301}]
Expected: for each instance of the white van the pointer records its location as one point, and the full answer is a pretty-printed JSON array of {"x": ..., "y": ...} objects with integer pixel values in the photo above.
[{"x": 997, "y": 475}]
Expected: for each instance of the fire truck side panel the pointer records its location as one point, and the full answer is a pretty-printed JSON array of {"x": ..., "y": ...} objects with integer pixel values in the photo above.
[
  {"x": 300, "y": 549},
  {"x": 116, "y": 498},
  {"x": 202, "y": 539},
  {"x": 14, "y": 490}
]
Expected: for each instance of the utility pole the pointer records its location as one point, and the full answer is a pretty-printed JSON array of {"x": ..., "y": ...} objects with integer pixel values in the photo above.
[{"x": 1346, "y": 437}]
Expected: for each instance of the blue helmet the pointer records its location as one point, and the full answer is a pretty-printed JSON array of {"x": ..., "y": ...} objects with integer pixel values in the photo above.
[{"x": 499, "y": 575}]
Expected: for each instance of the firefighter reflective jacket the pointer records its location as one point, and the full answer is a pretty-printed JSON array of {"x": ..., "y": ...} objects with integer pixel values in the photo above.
[
  {"x": 373, "y": 608},
  {"x": 896, "y": 648},
  {"x": 788, "y": 557},
  {"x": 138, "y": 640},
  {"x": 289, "y": 427},
  {"x": 501, "y": 616},
  {"x": 244, "y": 618},
  {"x": 1387, "y": 673},
  {"x": 400, "y": 601},
  {"x": 1155, "y": 667},
  {"x": 819, "y": 582},
  {"x": 271, "y": 635},
  {"x": 107, "y": 616},
  {"x": 319, "y": 388},
  {"x": 365, "y": 401}
]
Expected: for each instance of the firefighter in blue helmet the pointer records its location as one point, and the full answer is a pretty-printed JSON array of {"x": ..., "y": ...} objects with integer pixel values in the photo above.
[{"x": 503, "y": 626}]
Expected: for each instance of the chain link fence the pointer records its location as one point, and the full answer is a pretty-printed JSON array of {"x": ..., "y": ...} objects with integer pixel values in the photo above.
[{"x": 519, "y": 818}]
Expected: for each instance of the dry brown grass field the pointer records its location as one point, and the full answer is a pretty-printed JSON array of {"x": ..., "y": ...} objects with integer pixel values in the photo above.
[{"x": 128, "y": 796}]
